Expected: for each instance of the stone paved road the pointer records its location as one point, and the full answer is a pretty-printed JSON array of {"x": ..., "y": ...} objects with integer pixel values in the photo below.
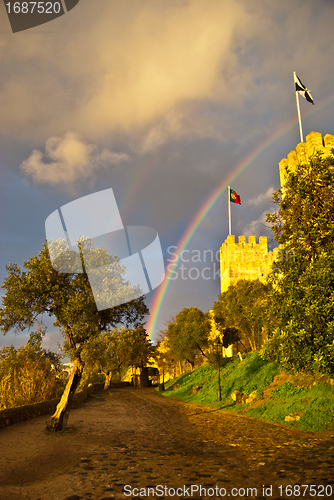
[{"x": 129, "y": 439}]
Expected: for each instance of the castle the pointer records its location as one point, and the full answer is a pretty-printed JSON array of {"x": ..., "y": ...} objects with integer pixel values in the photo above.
[
  {"x": 244, "y": 260},
  {"x": 304, "y": 150},
  {"x": 251, "y": 260}
]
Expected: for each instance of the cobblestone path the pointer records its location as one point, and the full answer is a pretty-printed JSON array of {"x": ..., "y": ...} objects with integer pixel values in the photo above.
[{"x": 134, "y": 443}]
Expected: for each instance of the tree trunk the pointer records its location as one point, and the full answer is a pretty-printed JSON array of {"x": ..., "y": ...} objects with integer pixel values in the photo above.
[
  {"x": 252, "y": 342},
  {"x": 58, "y": 421},
  {"x": 135, "y": 381},
  {"x": 144, "y": 377},
  {"x": 107, "y": 381}
]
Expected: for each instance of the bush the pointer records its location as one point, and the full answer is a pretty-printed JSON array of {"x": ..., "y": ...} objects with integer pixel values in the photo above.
[{"x": 29, "y": 374}]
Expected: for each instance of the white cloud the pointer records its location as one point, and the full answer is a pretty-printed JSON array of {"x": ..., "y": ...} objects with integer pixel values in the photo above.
[
  {"x": 122, "y": 66},
  {"x": 257, "y": 227},
  {"x": 67, "y": 159},
  {"x": 154, "y": 69},
  {"x": 262, "y": 198}
]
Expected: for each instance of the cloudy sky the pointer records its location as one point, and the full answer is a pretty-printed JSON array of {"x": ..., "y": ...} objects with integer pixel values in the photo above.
[{"x": 160, "y": 101}]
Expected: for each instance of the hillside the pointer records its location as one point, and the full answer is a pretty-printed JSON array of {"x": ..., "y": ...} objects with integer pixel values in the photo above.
[{"x": 300, "y": 401}]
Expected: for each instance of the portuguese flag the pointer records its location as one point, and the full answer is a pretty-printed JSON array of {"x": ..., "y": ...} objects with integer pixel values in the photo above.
[{"x": 234, "y": 197}]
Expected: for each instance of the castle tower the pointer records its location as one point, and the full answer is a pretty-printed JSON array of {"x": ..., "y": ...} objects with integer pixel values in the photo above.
[
  {"x": 251, "y": 260},
  {"x": 244, "y": 260},
  {"x": 304, "y": 151}
]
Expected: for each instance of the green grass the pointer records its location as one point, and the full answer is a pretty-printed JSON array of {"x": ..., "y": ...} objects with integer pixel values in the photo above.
[{"x": 314, "y": 404}]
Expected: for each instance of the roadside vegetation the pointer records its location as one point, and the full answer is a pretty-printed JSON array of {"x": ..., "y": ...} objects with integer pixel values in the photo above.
[
  {"x": 284, "y": 327},
  {"x": 29, "y": 374},
  {"x": 307, "y": 400},
  {"x": 289, "y": 319},
  {"x": 67, "y": 297}
]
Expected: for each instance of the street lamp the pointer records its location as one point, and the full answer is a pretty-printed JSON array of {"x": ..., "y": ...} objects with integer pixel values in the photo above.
[
  {"x": 162, "y": 386},
  {"x": 163, "y": 372},
  {"x": 218, "y": 345}
]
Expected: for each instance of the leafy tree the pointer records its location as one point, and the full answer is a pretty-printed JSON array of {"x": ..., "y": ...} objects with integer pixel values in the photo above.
[
  {"x": 139, "y": 351},
  {"x": 301, "y": 307},
  {"x": 188, "y": 334},
  {"x": 240, "y": 312},
  {"x": 164, "y": 358},
  {"x": 29, "y": 374},
  {"x": 113, "y": 351},
  {"x": 100, "y": 356},
  {"x": 230, "y": 335},
  {"x": 140, "y": 348},
  {"x": 68, "y": 297}
]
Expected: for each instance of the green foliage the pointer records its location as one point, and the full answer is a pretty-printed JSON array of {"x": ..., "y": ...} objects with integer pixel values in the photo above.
[
  {"x": 164, "y": 358},
  {"x": 243, "y": 307},
  {"x": 29, "y": 374},
  {"x": 251, "y": 374},
  {"x": 313, "y": 404},
  {"x": 188, "y": 334},
  {"x": 187, "y": 381},
  {"x": 301, "y": 302},
  {"x": 111, "y": 352},
  {"x": 286, "y": 389},
  {"x": 67, "y": 296}
]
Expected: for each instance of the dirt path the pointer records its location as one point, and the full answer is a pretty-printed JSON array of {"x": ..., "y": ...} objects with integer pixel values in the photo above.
[{"x": 135, "y": 438}]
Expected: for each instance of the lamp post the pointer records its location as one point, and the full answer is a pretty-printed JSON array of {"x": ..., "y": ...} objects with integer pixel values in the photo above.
[
  {"x": 163, "y": 372},
  {"x": 218, "y": 344},
  {"x": 162, "y": 386}
]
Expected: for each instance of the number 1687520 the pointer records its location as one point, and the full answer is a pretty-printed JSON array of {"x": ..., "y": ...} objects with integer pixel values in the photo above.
[{"x": 33, "y": 7}]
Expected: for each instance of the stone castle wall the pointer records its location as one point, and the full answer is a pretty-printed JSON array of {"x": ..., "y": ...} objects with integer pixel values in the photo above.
[
  {"x": 304, "y": 150},
  {"x": 251, "y": 260},
  {"x": 244, "y": 260}
]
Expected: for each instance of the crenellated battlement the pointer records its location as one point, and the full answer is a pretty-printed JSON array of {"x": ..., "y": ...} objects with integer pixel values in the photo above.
[
  {"x": 251, "y": 260},
  {"x": 304, "y": 151},
  {"x": 244, "y": 260}
]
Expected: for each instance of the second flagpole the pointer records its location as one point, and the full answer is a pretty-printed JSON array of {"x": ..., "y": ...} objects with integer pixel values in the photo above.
[
  {"x": 229, "y": 208},
  {"x": 298, "y": 109}
]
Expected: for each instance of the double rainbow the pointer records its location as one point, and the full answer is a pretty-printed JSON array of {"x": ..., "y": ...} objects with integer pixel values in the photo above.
[{"x": 208, "y": 206}]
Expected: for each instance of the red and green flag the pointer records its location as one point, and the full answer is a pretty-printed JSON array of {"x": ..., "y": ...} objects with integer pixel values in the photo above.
[{"x": 234, "y": 197}]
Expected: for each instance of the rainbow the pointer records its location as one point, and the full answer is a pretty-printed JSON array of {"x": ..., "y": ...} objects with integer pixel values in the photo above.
[{"x": 207, "y": 207}]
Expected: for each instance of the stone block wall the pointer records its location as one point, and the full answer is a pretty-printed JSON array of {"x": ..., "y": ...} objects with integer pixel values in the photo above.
[
  {"x": 244, "y": 260},
  {"x": 13, "y": 415},
  {"x": 304, "y": 150}
]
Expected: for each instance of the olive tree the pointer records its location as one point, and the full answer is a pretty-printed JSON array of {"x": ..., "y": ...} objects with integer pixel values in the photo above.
[{"x": 68, "y": 297}]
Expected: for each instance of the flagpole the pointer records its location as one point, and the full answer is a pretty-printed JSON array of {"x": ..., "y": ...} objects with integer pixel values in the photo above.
[
  {"x": 229, "y": 208},
  {"x": 298, "y": 109}
]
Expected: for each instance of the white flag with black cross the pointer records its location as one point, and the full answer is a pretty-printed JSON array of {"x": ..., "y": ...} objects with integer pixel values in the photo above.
[{"x": 302, "y": 90}]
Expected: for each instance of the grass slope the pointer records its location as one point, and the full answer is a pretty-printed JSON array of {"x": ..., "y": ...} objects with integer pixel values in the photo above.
[{"x": 278, "y": 394}]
